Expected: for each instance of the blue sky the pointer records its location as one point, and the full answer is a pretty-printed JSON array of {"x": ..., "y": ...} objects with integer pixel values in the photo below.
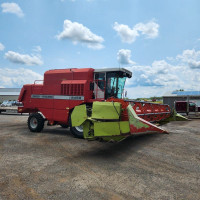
[{"x": 159, "y": 41}]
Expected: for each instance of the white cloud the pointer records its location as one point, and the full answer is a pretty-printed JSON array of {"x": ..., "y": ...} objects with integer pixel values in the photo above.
[
  {"x": 24, "y": 59},
  {"x": 17, "y": 77},
  {"x": 162, "y": 76},
  {"x": 159, "y": 73},
  {"x": 1, "y": 47},
  {"x": 191, "y": 57},
  {"x": 79, "y": 33},
  {"x": 124, "y": 57},
  {"x": 150, "y": 29},
  {"x": 37, "y": 49},
  {"x": 129, "y": 35},
  {"x": 160, "y": 67},
  {"x": 194, "y": 64},
  {"x": 12, "y": 8}
]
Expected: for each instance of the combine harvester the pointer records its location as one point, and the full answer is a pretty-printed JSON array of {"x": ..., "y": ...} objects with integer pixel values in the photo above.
[{"x": 90, "y": 102}]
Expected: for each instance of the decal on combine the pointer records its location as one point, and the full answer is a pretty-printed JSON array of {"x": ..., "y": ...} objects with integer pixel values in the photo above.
[{"x": 37, "y": 96}]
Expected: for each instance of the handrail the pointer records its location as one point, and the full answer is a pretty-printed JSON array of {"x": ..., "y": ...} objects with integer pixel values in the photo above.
[{"x": 37, "y": 81}]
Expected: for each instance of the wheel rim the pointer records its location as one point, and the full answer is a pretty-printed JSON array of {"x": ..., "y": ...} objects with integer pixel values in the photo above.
[
  {"x": 79, "y": 128},
  {"x": 33, "y": 123}
]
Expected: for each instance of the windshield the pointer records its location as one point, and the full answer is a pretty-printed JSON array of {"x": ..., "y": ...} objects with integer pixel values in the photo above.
[{"x": 114, "y": 85}]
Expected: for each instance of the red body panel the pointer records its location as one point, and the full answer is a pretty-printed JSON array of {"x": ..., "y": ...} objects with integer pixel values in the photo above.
[{"x": 61, "y": 91}]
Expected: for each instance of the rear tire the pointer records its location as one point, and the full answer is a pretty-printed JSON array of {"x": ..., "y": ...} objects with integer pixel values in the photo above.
[
  {"x": 35, "y": 122},
  {"x": 77, "y": 131}
]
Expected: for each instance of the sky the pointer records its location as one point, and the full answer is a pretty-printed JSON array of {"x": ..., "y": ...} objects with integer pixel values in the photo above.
[{"x": 159, "y": 41}]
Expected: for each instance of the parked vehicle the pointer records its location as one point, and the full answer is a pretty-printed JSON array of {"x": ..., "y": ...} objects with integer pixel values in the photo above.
[
  {"x": 186, "y": 107},
  {"x": 17, "y": 103},
  {"x": 6, "y": 104}
]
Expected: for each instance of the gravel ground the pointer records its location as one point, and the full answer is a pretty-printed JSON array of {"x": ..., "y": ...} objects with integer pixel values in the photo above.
[{"x": 55, "y": 165}]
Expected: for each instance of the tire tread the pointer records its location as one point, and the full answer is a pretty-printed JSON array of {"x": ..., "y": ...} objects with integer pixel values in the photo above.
[{"x": 40, "y": 120}]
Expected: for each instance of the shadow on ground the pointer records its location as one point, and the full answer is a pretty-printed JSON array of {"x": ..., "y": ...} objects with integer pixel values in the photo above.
[{"x": 111, "y": 150}]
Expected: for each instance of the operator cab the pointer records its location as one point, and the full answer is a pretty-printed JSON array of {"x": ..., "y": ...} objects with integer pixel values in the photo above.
[{"x": 110, "y": 82}]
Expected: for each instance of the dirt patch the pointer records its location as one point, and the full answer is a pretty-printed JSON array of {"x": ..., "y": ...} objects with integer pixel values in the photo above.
[{"x": 55, "y": 165}]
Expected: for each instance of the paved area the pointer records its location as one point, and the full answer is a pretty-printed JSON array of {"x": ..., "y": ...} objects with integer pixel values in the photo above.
[{"x": 54, "y": 165}]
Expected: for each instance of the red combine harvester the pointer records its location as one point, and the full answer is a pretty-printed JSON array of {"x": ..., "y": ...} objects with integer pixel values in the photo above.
[{"x": 90, "y": 102}]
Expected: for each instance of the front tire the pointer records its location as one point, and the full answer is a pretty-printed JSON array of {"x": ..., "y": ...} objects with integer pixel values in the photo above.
[
  {"x": 77, "y": 131},
  {"x": 35, "y": 122}
]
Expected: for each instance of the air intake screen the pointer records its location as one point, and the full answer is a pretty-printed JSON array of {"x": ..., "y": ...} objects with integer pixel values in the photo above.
[{"x": 72, "y": 89}]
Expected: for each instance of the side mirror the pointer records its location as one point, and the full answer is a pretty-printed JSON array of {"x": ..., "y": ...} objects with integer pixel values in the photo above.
[{"x": 91, "y": 86}]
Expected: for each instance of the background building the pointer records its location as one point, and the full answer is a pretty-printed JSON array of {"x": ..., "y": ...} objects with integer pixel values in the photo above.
[
  {"x": 9, "y": 94},
  {"x": 170, "y": 97}
]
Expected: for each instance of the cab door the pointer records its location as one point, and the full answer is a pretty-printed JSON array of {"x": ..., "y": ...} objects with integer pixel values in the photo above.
[{"x": 99, "y": 85}]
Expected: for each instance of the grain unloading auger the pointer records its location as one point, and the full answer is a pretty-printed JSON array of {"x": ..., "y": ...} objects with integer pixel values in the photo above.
[{"x": 90, "y": 102}]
